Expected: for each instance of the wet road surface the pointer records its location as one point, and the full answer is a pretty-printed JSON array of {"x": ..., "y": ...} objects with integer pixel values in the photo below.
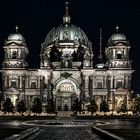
[{"x": 66, "y": 133}]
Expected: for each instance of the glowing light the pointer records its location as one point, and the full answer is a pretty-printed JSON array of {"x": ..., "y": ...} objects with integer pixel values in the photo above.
[{"x": 13, "y": 99}]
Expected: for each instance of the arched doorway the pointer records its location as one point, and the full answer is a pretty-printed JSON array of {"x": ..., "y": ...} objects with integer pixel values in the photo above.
[{"x": 65, "y": 94}]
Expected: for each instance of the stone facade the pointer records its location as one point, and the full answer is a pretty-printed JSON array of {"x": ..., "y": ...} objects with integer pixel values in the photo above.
[{"x": 67, "y": 69}]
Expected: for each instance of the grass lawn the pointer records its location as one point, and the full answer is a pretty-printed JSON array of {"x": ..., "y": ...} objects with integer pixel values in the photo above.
[
  {"x": 25, "y": 118},
  {"x": 109, "y": 117},
  {"x": 128, "y": 134}
]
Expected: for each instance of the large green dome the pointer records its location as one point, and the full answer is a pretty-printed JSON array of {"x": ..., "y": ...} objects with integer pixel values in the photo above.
[{"x": 66, "y": 33}]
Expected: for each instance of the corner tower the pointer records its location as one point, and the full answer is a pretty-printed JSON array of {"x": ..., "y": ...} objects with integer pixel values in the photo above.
[
  {"x": 117, "y": 52},
  {"x": 119, "y": 71},
  {"x": 15, "y": 51}
]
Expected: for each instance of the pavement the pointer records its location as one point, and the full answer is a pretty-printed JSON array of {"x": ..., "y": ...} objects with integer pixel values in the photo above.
[{"x": 64, "y": 127}]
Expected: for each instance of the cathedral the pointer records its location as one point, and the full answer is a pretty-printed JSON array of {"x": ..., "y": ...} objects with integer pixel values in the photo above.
[{"x": 67, "y": 70}]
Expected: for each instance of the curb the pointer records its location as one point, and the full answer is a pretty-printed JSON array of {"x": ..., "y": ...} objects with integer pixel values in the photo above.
[
  {"x": 104, "y": 134},
  {"x": 23, "y": 134}
]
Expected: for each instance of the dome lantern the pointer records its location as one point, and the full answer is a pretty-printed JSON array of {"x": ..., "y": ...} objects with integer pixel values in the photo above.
[
  {"x": 117, "y": 29},
  {"x": 66, "y": 18}
]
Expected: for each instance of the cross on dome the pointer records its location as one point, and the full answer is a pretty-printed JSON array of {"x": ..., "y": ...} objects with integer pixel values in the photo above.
[
  {"x": 117, "y": 28},
  {"x": 16, "y": 28}
]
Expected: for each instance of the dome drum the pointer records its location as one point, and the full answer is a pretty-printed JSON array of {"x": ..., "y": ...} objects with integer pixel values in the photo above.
[{"x": 65, "y": 39}]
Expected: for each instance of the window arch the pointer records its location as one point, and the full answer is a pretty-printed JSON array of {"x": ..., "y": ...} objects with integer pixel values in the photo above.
[
  {"x": 119, "y": 55},
  {"x": 13, "y": 83},
  {"x": 119, "y": 83},
  {"x": 66, "y": 87},
  {"x": 33, "y": 85},
  {"x": 99, "y": 83},
  {"x": 14, "y": 55}
]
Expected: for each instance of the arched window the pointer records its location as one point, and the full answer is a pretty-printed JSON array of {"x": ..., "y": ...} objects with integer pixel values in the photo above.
[
  {"x": 66, "y": 87},
  {"x": 13, "y": 83},
  {"x": 119, "y": 55},
  {"x": 119, "y": 84},
  {"x": 33, "y": 85},
  {"x": 14, "y": 55},
  {"x": 99, "y": 84}
]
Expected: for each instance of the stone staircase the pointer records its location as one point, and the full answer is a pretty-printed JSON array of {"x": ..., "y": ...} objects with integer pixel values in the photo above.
[{"x": 64, "y": 114}]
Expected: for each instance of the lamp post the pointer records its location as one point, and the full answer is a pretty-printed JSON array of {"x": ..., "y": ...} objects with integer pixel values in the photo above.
[{"x": 113, "y": 102}]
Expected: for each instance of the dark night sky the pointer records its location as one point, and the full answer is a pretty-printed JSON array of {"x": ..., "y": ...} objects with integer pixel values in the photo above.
[{"x": 36, "y": 17}]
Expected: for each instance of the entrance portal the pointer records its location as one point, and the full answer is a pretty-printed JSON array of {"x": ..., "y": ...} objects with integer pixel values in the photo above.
[
  {"x": 65, "y": 107},
  {"x": 64, "y": 103},
  {"x": 65, "y": 96}
]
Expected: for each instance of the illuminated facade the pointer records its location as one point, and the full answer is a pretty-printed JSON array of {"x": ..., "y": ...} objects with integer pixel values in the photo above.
[{"x": 67, "y": 69}]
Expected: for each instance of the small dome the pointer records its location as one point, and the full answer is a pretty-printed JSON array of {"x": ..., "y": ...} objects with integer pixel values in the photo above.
[
  {"x": 16, "y": 37},
  {"x": 117, "y": 38}
]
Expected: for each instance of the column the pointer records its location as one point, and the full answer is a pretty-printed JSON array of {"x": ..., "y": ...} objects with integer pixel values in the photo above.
[
  {"x": 20, "y": 82},
  {"x": 93, "y": 85},
  {"x": 104, "y": 82},
  {"x": 4, "y": 81},
  {"x": 86, "y": 87},
  {"x": 111, "y": 82},
  {"x": 108, "y": 86},
  {"x": 90, "y": 85},
  {"x": 7, "y": 78},
  {"x": 126, "y": 82},
  {"x": 114, "y": 55}
]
